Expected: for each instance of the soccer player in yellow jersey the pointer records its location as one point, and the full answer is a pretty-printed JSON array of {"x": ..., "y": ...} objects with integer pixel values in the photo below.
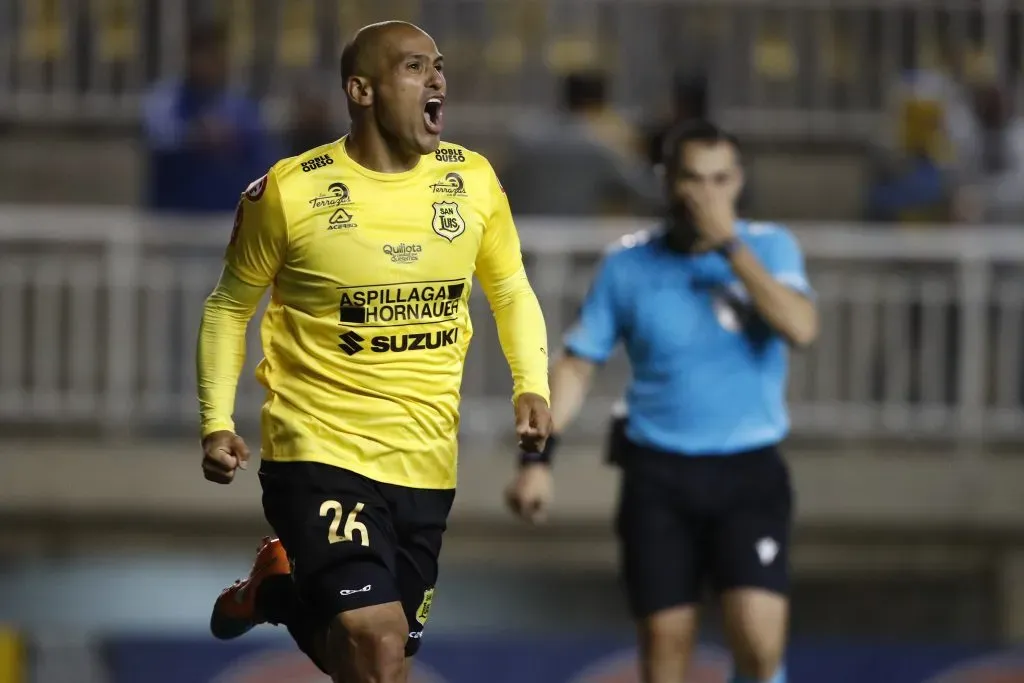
[{"x": 369, "y": 245}]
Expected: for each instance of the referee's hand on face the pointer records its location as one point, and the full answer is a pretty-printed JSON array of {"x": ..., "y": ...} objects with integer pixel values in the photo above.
[{"x": 223, "y": 453}]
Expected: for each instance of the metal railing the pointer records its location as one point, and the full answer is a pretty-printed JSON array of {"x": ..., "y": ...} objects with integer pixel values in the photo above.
[
  {"x": 777, "y": 66},
  {"x": 922, "y": 331}
]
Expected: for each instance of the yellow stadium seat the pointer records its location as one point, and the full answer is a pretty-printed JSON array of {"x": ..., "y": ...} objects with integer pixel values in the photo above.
[
  {"x": 532, "y": 20},
  {"x": 928, "y": 54},
  {"x": 774, "y": 57},
  {"x": 505, "y": 55},
  {"x": 117, "y": 22},
  {"x": 519, "y": 30},
  {"x": 297, "y": 41},
  {"x": 12, "y": 657},
  {"x": 406, "y": 10},
  {"x": 43, "y": 34},
  {"x": 979, "y": 65},
  {"x": 711, "y": 21},
  {"x": 241, "y": 30},
  {"x": 837, "y": 61},
  {"x": 354, "y": 14},
  {"x": 351, "y": 17},
  {"x": 571, "y": 53}
]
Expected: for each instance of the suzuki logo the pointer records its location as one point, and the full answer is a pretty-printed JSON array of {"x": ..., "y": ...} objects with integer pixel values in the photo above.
[{"x": 350, "y": 343}]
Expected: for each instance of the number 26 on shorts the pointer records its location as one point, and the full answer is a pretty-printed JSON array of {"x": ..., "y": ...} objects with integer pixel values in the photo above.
[{"x": 352, "y": 523}]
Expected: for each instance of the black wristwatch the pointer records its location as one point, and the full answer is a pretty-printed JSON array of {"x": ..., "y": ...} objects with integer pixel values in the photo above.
[
  {"x": 729, "y": 247},
  {"x": 544, "y": 457}
]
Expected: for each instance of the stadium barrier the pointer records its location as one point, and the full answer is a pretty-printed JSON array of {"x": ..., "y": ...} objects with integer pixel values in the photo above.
[
  {"x": 553, "y": 659},
  {"x": 267, "y": 657},
  {"x": 921, "y": 329}
]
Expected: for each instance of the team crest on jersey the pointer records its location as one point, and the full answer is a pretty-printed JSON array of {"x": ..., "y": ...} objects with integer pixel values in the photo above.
[
  {"x": 731, "y": 305},
  {"x": 725, "y": 312},
  {"x": 256, "y": 189},
  {"x": 448, "y": 222}
]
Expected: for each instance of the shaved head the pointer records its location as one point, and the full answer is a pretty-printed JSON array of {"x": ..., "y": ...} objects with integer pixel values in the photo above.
[{"x": 364, "y": 54}]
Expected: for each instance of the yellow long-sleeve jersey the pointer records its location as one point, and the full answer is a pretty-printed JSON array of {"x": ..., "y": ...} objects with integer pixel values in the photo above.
[{"x": 367, "y": 329}]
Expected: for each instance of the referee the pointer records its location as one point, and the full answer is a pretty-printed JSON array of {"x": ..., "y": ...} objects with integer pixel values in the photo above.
[{"x": 707, "y": 308}]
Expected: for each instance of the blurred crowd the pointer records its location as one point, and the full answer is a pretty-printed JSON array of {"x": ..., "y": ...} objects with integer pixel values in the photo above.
[
  {"x": 204, "y": 141},
  {"x": 954, "y": 151},
  {"x": 958, "y": 154}
]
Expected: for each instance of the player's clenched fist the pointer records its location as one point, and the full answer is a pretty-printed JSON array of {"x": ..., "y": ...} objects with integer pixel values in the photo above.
[
  {"x": 223, "y": 453},
  {"x": 533, "y": 422},
  {"x": 530, "y": 494}
]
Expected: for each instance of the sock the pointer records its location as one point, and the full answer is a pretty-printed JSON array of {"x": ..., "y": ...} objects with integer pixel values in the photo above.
[
  {"x": 278, "y": 601},
  {"x": 779, "y": 677}
]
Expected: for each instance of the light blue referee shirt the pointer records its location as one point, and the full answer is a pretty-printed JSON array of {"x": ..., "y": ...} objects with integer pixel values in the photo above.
[{"x": 708, "y": 376}]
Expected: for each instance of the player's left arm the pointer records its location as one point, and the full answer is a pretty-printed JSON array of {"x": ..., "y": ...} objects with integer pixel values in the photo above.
[
  {"x": 520, "y": 321},
  {"x": 778, "y": 286}
]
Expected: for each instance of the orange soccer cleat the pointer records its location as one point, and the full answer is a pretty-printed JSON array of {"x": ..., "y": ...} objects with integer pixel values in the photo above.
[{"x": 234, "y": 612}]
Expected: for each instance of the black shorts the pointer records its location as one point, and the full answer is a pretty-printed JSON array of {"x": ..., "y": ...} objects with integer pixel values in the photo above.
[
  {"x": 355, "y": 542},
  {"x": 687, "y": 522},
  {"x": 616, "y": 443}
]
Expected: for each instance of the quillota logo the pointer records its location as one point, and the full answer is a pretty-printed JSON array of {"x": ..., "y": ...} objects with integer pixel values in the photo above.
[{"x": 403, "y": 253}]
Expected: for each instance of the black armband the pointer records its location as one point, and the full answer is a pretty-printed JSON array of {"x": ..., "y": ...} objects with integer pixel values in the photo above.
[{"x": 545, "y": 457}]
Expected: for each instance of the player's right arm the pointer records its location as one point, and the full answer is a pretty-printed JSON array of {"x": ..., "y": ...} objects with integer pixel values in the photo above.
[
  {"x": 589, "y": 343},
  {"x": 254, "y": 255}
]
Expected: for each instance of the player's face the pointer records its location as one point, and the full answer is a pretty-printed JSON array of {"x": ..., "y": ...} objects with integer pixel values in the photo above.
[
  {"x": 410, "y": 93},
  {"x": 708, "y": 168}
]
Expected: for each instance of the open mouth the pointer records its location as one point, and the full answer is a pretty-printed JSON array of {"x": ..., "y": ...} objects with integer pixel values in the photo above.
[{"x": 433, "y": 118}]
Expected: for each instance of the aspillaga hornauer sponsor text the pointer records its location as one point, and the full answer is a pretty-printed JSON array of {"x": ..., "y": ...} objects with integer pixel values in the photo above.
[{"x": 420, "y": 302}]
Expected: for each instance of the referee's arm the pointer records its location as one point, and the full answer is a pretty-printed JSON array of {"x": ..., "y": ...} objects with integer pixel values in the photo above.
[
  {"x": 571, "y": 378},
  {"x": 779, "y": 289},
  {"x": 588, "y": 344}
]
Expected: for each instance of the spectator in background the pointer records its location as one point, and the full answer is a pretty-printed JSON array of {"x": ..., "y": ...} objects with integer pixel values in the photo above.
[
  {"x": 311, "y": 121},
  {"x": 584, "y": 161},
  {"x": 990, "y": 164},
  {"x": 689, "y": 103},
  {"x": 203, "y": 141},
  {"x": 912, "y": 185}
]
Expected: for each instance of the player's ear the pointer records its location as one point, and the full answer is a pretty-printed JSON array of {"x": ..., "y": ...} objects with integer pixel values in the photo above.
[{"x": 359, "y": 91}]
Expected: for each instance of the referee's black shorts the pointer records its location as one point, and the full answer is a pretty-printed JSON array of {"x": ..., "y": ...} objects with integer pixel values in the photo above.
[{"x": 686, "y": 522}]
